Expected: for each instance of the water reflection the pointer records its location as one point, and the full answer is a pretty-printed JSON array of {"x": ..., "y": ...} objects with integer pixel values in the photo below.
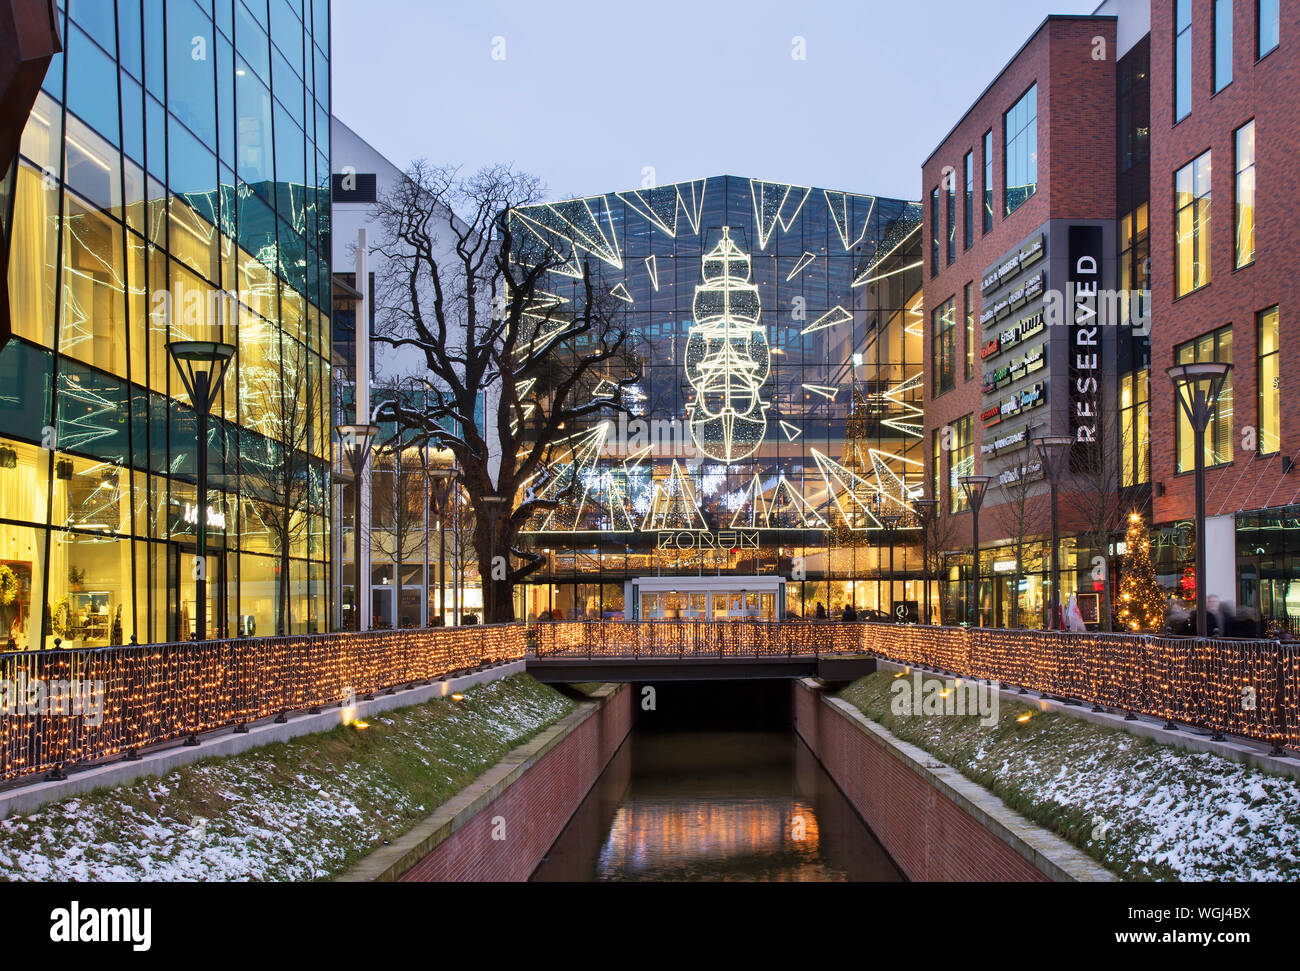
[{"x": 716, "y": 806}]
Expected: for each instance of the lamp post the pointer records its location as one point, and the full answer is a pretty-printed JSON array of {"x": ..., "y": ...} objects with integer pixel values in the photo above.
[
  {"x": 1054, "y": 452},
  {"x": 493, "y": 506},
  {"x": 925, "y": 509},
  {"x": 1197, "y": 388},
  {"x": 355, "y": 441},
  {"x": 202, "y": 366},
  {"x": 975, "y": 486}
]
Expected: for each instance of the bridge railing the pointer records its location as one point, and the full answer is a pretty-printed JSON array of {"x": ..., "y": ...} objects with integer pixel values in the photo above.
[
  {"x": 696, "y": 639},
  {"x": 1243, "y": 687},
  {"x": 73, "y": 707}
]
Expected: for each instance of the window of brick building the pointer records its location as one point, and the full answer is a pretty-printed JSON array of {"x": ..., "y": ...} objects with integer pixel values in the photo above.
[
  {"x": 1182, "y": 59},
  {"x": 1269, "y": 12},
  {"x": 1135, "y": 427},
  {"x": 1192, "y": 226},
  {"x": 1269, "y": 378},
  {"x": 1222, "y": 44},
  {"x": 968, "y": 214},
  {"x": 988, "y": 181},
  {"x": 934, "y": 233},
  {"x": 1214, "y": 346},
  {"x": 969, "y": 307},
  {"x": 961, "y": 461},
  {"x": 1244, "y": 229},
  {"x": 943, "y": 323},
  {"x": 1021, "y": 163}
]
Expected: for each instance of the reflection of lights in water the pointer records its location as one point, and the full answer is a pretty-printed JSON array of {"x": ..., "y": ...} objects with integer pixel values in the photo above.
[{"x": 645, "y": 834}]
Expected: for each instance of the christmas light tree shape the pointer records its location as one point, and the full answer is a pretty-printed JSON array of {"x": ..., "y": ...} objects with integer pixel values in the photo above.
[
  {"x": 591, "y": 498},
  {"x": 673, "y": 507},
  {"x": 1141, "y": 601},
  {"x": 786, "y": 509}
]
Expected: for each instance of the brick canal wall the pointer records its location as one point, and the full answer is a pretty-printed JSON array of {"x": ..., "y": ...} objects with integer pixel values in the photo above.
[
  {"x": 935, "y": 823},
  {"x": 501, "y": 826}
]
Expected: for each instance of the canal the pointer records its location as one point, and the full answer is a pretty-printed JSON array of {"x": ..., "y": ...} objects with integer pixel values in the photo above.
[{"x": 714, "y": 785}]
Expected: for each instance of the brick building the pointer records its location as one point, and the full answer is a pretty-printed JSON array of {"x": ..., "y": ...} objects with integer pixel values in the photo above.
[
  {"x": 1020, "y": 196},
  {"x": 1224, "y": 136},
  {"x": 1163, "y": 126}
]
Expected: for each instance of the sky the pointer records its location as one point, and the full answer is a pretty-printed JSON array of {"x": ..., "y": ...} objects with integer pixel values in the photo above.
[{"x": 594, "y": 96}]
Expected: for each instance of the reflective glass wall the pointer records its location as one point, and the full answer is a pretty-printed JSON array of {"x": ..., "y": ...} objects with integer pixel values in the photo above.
[
  {"x": 173, "y": 185},
  {"x": 775, "y": 424}
]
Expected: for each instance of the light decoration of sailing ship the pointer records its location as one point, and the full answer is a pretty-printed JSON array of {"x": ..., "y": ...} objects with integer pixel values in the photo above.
[{"x": 727, "y": 357}]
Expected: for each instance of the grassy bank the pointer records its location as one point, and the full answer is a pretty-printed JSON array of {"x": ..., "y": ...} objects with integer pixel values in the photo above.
[
  {"x": 1144, "y": 810},
  {"x": 300, "y": 810}
]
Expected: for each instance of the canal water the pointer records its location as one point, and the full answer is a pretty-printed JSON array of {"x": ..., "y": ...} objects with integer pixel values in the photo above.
[{"x": 721, "y": 791}]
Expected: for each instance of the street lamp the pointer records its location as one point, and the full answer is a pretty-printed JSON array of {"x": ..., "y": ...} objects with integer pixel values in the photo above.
[
  {"x": 925, "y": 509},
  {"x": 202, "y": 366},
  {"x": 1197, "y": 388},
  {"x": 355, "y": 441},
  {"x": 493, "y": 508},
  {"x": 975, "y": 486},
  {"x": 1054, "y": 452}
]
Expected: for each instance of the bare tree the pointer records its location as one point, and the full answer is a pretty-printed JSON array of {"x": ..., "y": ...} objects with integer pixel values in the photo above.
[
  {"x": 278, "y": 478},
  {"x": 1099, "y": 506},
  {"x": 940, "y": 536},
  {"x": 470, "y": 292},
  {"x": 1019, "y": 515}
]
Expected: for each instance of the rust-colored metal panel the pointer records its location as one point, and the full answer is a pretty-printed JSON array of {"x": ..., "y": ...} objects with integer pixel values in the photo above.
[{"x": 29, "y": 38}]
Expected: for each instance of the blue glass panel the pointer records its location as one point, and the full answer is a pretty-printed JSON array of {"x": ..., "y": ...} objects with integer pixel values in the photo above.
[
  {"x": 254, "y": 161},
  {"x": 252, "y": 43},
  {"x": 224, "y": 17},
  {"x": 193, "y": 168},
  {"x": 226, "y": 130},
  {"x": 130, "y": 37},
  {"x": 155, "y": 57},
  {"x": 92, "y": 85},
  {"x": 191, "y": 95},
  {"x": 156, "y": 137},
  {"x": 26, "y": 380},
  {"x": 53, "y": 83},
  {"x": 287, "y": 34},
  {"x": 95, "y": 17},
  {"x": 132, "y": 118}
]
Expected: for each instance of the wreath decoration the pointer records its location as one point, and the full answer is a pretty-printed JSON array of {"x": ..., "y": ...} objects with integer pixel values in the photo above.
[
  {"x": 61, "y": 619},
  {"x": 8, "y": 585}
]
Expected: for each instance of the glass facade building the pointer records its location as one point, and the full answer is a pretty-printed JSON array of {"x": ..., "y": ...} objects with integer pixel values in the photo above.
[
  {"x": 775, "y": 424},
  {"x": 173, "y": 185}
]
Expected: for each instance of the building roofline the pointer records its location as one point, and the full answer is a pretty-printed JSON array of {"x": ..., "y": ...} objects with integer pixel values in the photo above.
[
  {"x": 1005, "y": 67},
  {"x": 720, "y": 177}
]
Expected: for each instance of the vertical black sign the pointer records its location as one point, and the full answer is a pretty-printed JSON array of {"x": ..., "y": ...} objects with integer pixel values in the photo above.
[{"x": 1084, "y": 279}]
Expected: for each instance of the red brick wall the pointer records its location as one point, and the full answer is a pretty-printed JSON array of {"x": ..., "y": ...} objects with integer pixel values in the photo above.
[
  {"x": 928, "y": 836},
  {"x": 1076, "y": 180},
  {"x": 1265, "y": 91},
  {"x": 535, "y": 807}
]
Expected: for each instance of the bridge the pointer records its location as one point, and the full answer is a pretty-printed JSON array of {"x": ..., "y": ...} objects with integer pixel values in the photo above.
[{"x": 567, "y": 652}]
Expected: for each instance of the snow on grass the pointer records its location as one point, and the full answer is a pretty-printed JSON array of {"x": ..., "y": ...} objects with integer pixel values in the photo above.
[
  {"x": 300, "y": 810},
  {"x": 1146, "y": 811}
]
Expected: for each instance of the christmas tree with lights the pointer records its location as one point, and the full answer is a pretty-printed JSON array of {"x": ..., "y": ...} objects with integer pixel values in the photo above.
[{"x": 1141, "y": 602}]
